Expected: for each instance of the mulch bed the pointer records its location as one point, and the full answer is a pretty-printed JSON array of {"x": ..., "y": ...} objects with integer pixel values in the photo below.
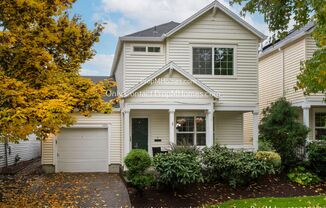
[
  {"x": 13, "y": 169},
  {"x": 205, "y": 194}
]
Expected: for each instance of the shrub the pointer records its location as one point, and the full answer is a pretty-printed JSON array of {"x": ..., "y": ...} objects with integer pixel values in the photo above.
[
  {"x": 236, "y": 167},
  {"x": 317, "y": 157},
  {"x": 280, "y": 126},
  {"x": 177, "y": 169},
  {"x": 137, "y": 162},
  {"x": 264, "y": 145},
  {"x": 191, "y": 150},
  {"x": 303, "y": 177},
  {"x": 272, "y": 158}
]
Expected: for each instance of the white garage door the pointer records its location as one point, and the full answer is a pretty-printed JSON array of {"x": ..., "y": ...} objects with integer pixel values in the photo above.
[{"x": 82, "y": 150}]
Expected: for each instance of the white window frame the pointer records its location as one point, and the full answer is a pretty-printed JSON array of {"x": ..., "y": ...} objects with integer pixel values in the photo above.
[
  {"x": 195, "y": 132},
  {"x": 213, "y": 51},
  {"x": 146, "y": 52},
  {"x": 317, "y": 110}
]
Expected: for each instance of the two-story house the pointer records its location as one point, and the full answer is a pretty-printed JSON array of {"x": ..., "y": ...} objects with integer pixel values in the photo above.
[
  {"x": 181, "y": 83},
  {"x": 279, "y": 66}
]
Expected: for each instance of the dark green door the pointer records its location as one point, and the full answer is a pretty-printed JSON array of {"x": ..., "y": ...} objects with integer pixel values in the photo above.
[{"x": 140, "y": 133}]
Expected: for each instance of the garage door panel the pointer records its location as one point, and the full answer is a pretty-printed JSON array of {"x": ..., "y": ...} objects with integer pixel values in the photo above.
[{"x": 83, "y": 150}]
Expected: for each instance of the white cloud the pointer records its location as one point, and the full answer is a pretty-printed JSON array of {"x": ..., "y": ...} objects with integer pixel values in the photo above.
[{"x": 100, "y": 65}]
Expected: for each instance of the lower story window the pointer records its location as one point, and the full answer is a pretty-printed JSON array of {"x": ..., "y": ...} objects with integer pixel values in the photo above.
[
  {"x": 191, "y": 130},
  {"x": 320, "y": 125}
]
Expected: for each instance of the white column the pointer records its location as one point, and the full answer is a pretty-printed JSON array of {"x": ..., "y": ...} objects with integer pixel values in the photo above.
[
  {"x": 126, "y": 140},
  {"x": 209, "y": 128},
  {"x": 171, "y": 126},
  {"x": 306, "y": 110},
  {"x": 255, "y": 129}
]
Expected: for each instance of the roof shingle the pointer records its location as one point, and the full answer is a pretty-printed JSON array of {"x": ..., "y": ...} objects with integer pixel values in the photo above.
[{"x": 156, "y": 31}]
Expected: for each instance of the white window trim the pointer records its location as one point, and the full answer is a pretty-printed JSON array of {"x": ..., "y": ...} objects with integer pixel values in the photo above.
[
  {"x": 146, "y": 52},
  {"x": 195, "y": 132},
  {"x": 234, "y": 46},
  {"x": 316, "y": 110}
]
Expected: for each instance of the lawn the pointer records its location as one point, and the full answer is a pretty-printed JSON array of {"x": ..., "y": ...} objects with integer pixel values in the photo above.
[{"x": 308, "y": 201}]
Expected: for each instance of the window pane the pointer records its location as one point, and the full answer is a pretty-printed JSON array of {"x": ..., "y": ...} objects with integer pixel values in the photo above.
[
  {"x": 139, "y": 49},
  {"x": 223, "y": 61},
  {"x": 320, "y": 119},
  {"x": 185, "y": 139},
  {"x": 201, "y": 139},
  {"x": 200, "y": 123},
  {"x": 185, "y": 124},
  {"x": 154, "y": 49},
  {"x": 202, "y": 60},
  {"x": 320, "y": 133}
]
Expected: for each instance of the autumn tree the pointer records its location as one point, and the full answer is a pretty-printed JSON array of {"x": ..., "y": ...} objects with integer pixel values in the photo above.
[
  {"x": 278, "y": 14},
  {"x": 41, "y": 52}
]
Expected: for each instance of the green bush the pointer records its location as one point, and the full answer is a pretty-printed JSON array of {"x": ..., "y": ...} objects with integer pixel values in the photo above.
[
  {"x": 137, "y": 162},
  {"x": 187, "y": 149},
  {"x": 281, "y": 126},
  {"x": 303, "y": 177},
  {"x": 273, "y": 158},
  {"x": 317, "y": 157},
  {"x": 264, "y": 145},
  {"x": 236, "y": 167},
  {"x": 177, "y": 169}
]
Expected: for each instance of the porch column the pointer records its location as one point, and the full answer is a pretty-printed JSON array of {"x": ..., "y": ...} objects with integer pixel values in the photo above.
[
  {"x": 126, "y": 139},
  {"x": 255, "y": 129},
  {"x": 171, "y": 126},
  {"x": 209, "y": 128},
  {"x": 306, "y": 110}
]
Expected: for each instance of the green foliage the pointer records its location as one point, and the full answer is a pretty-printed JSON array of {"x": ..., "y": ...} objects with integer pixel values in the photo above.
[
  {"x": 177, "y": 169},
  {"x": 137, "y": 162},
  {"x": 187, "y": 149},
  {"x": 303, "y": 177},
  {"x": 272, "y": 158},
  {"x": 264, "y": 145},
  {"x": 281, "y": 127},
  {"x": 278, "y": 15},
  {"x": 317, "y": 156},
  {"x": 41, "y": 53},
  {"x": 236, "y": 167}
]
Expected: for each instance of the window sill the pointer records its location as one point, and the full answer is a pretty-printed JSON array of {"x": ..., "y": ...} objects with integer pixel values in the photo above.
[{"x": 215, "y": 76}]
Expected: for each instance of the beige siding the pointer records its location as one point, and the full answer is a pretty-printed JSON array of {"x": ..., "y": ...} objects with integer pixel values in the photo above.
[
  {"x": 247, "y": 128},
  {"x": 47, "y": 151},
  {"x": 270, "y": 79},
  {"x": 218, "y": 31},
  {"x": 228, "y": 128},
  {"x": 119, "y": 73},
  {"x": 158, "y": 125},
  {"x": 170, "y": 88},
  {"x": 293, "y": 55},
  {"x": 311, "y": 46},
  {"x": 138, "y": 66},
  {"x": 115, "y": 140}
]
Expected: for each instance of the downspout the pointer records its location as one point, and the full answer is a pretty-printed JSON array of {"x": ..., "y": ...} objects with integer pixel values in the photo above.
[{"x": 6, "y": 151}]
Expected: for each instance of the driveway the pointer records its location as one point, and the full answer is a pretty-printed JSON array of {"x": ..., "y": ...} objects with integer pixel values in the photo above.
[{"x": 64, "y": 190}]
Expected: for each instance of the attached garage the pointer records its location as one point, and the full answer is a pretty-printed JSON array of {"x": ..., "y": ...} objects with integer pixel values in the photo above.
[{"x": 83, "y": 150}]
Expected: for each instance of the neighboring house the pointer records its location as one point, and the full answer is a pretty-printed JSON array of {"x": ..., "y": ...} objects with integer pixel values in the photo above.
[
  {"x": 279, "y": 66},
  {"x": 22, "y": 151},
  {"x": 179, "y": 83}
]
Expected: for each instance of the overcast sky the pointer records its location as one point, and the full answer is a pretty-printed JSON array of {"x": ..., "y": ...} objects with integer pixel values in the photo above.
[{"x": 128, "y": 16}]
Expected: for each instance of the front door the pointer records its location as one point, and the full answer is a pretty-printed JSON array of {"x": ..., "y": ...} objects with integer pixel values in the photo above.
[{"x": 140, "y": 133}]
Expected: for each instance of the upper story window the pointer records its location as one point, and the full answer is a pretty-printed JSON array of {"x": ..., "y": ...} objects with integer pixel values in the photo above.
[
  {"x": 213, "y": 61},
  {"x": 147, "y": 49}
]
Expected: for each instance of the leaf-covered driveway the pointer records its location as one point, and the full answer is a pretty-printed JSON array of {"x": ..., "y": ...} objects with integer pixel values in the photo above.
[{"x": 64, "y": 190}]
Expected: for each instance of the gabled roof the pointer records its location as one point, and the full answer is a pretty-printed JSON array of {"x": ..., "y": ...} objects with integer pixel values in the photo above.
[
  {"x": 166, "y": 30},
  {"x": 156, "y": 31},
  {"x": 171, "y": 66},
  {"x": 293, "y": 35},
  {"x": 217, "y": 5}
]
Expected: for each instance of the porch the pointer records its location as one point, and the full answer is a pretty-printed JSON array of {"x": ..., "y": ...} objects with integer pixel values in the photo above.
[{"x": 155, "y": 127}]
